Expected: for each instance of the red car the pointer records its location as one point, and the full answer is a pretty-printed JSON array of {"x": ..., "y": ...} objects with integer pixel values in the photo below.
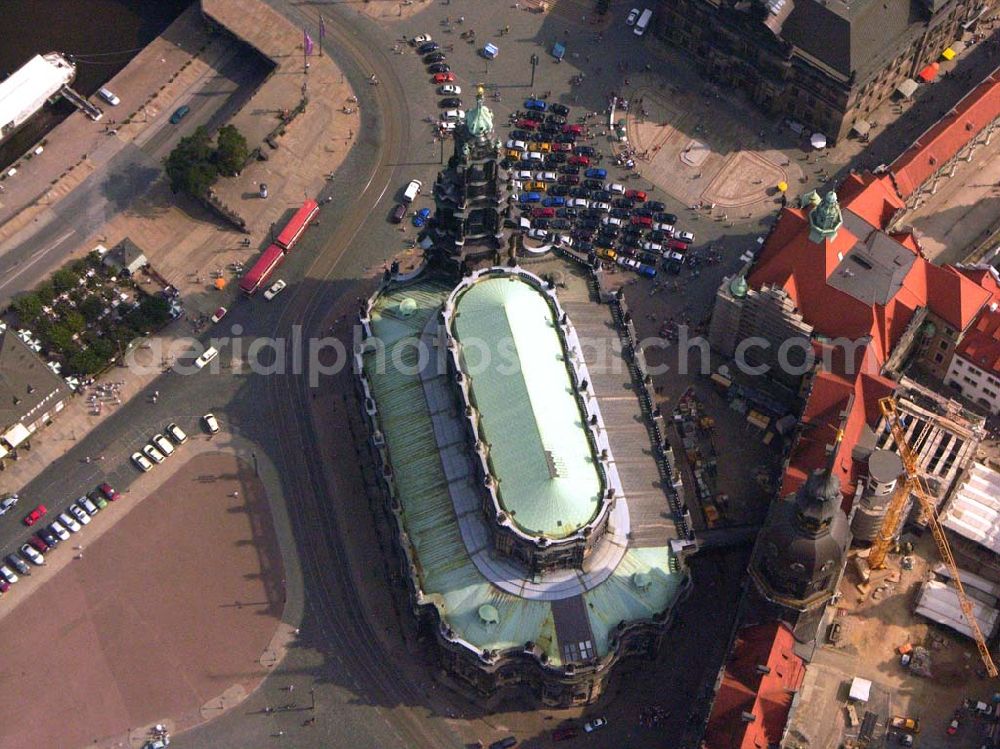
[
  {"x": 543, "y": 213},
  {"x": 955, "y": 723},
  {"x": 109, "y": 492},
  {"x": 526, "y": 124},
  {"x": 569, "y": 179},
  {"x": 39, "y": 543},
  {"x": 637, "y": 195},
  {"x": 35, "y": 515},
  {"x": 676, "y": 245},
  {"x": 644, "y": 221},
  {"x": 579, "y": 161},
  {"x": 573, "y": 129},
  {"x": 444, "y": 77},
  {"x": 564, "y": 734},
  {"x": 565, "y": 147}
]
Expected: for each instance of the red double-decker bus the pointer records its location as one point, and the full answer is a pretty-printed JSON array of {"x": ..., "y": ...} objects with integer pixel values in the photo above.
[
  {"x": 258, "y": 274},
  {"x": 297, "y": 225}
]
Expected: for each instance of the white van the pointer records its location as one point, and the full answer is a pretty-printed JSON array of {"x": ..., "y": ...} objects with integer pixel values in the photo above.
[
  {"x": 412, "y": 190},
  {"x": 109, "y": 97},
  {"x": 210, "y": 353},
  {"x": 643, "y": 22}
]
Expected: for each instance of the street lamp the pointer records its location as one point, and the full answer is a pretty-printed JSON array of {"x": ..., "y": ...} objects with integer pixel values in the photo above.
[{"x": 534, "y": 63}]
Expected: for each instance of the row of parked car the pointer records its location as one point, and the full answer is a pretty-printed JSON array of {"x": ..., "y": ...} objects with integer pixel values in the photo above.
[
  {"x": 163, "y": 444},
  {"x": 49, "y": 535}
]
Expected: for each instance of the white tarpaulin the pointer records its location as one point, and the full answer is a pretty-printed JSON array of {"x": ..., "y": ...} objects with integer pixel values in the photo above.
[
  {"x": 939, "y": 602},
  {"x": 861, "y": 689},
  {"x": 16, "y": 435},
  {"x": 907, "y": 88},
  {"x": 818, "y": 140}
]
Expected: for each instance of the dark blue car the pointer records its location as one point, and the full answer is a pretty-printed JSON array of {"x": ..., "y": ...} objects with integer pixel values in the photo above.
[
  {"x": 554, "y": 202},
  {"x": 595, "y": 173},
  {"x": 530, "y": 197}
]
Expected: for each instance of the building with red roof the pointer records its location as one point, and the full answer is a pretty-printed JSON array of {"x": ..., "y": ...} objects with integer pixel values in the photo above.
[{"x": 755, "y": 689}]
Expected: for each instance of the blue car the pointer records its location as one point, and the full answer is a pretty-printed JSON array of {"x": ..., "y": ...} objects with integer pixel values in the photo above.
[
  {"x": 421, "y": 216},
  {"x": 594, "y": 173},
  {"x": 554, "y": 202},
  {"x": 530, "y": 197},
  {"x": 535, "y": 104}
]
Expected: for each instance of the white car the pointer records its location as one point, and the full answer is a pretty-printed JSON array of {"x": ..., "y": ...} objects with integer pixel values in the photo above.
[
  {"x": 163, "y": 445},
  {"x": 520, "y": 145},
  {"x": 652, "y": 247},
  {"x": 276, "y": 288},
  {"x": 140, "y": 460},
  {"x": 210, "y": 353},
  {"x": 449, "y": 89},
  {"x": 685, "y": 236},
  {"x": 70, "y": 522},
  {"x": 632, "y": 17},
  {"x": 153, "y": 454},
  {"x": 447, "y": 127},
  {"x": 612, "y": 221},
  {"x": 524, "y": 174},
  {"x": 615, "y": 187},
  {"x": 8, "y": 503},
  {"x": 80, "y": 514},
  {"x": 8, "y": 574},
  {"x": 211, "y": 423},
  {"x": 564, "y": 240},
  {"x": 56, "y": 527},
  {"x": 176, "y": 434},
  {"x": 535, "y": 156},
  {"x": 420, "y": 39},
  {"x": 668, "y": 228},
  {"x": 453, "y": 115},
  {"x": 579, "y": 203},
  {"x": 601, "y": 206},
  {"x": 548, "y": 176},
  {"x": 539, "y": 234},
  {"x": 593, "y": 725},
  {"x": 32, "y": 555}
]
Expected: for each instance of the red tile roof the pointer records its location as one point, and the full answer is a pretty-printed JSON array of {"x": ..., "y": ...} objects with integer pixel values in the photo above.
[
  {"x": 948, "y": 136},
  {"x": 981, "y": 344},
  {"x": 761, "y": 677}
]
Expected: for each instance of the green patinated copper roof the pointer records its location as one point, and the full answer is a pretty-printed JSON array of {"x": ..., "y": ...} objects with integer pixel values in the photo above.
[
  {"x": 548, "y": 481},
  {"x": 479, "y": 119},
  {"x": 446, "y": 574}
]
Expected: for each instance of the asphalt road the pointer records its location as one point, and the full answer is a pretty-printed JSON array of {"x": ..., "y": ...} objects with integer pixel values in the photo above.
[
  {"x": 125, "y": 177},
  {"x": 354, "y": 678}
]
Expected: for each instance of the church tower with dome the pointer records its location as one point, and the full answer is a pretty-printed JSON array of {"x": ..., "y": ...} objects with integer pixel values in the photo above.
[
  {"x": 800, "y": 554},
  {"x": 470, "y": 198}
]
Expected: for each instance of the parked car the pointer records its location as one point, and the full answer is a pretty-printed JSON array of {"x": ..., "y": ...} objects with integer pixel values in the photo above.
[
  {"x": 535, "y": 104},
  {"x": 685, "y": 236},
  {"x": 398, "y": 213},
  {"x": 85, "y": 504},
  {"x": 637, "y": 195},
  {"x": 539, "y": 235},
  {"x": 573, "y": 129},
  {"x": 956, "y": 719},
  {"x": 559, "y": 191},
  {"x": 443, "y": 77},
  {"x": 8, "y": 574},
  {"x": 141, "y": 462},
  {"x": 151, "y": 452},
  {"x": 70, "y": 522},
  {"x": 435, "y": 57},
  {"x": 450, "y": 89},
  {"x": 561, "y": 109},
  {"x": 616, "y": 188},
  {"x": 274, "y": 289},
  {"x": 18, "y": 564},
  {"x": 543, "y": 212},
  {"x": 219, "y": 314},
  {"x": 35, "y": 515},
  {"x": 179, "y": 114},
  {"x": 44, "y": 539},
  {"x": 439, "y": 67},
  {"x": 556, "y": 201},
  {"x": 453, "y": 115},
  {"x": 564, "y": 734},
  {"x": 593, "y": 725},
  {"x": 585, "y": 151},
  {"x": 504, "y": 743},
  {"x": 98, "y": 499},
  {"x": 211, "y": 423},
  {"x": 596, "y": 173},
  {"x": 163, "y": 445},
  {"x": 420, "y": 217},
  {"x": 427, "y": 47},
  {"x": 7, "y": 503},
  {"x": 78, "y": 512},
  {"x": 32, "y": 555},
  {"x": 57, "y": 529},
  {"x": 632, "y": 17},
  {"x": 450, "y": 101},
  {"x": 644, "y": 221}
]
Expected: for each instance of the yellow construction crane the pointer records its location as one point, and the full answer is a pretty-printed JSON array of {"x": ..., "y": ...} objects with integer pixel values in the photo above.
[{"x": 914, "y": 483}]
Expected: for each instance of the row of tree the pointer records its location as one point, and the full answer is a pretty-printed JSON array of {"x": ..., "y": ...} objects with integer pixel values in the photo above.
[{"x": 194, "y": 165}]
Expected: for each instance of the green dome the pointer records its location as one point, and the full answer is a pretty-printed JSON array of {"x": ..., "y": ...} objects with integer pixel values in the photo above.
[
  {"x": 738, "y": 287},
  {"x": 479, "y": 120}
]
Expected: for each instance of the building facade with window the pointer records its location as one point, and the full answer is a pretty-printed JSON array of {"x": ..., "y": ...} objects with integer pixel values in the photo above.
[{"x": 826, "y": 64}]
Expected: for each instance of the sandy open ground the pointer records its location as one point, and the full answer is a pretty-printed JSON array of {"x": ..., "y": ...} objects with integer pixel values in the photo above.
[{"x": 160, "y": 617}]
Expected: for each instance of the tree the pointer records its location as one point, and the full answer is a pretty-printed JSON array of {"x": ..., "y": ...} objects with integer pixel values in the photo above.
[
  {"x": 92, "y": 308},
  {"x": 190, "y": 166},
  {"x": 75, "y": 321},
  {"x": 64, "y": 279},
  {"x": 231, "y": 151},
  {"x": 28, "y": 308}
]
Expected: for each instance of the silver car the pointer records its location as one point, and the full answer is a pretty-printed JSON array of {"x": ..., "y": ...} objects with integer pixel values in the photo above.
[
  {"x": 80, "y": 514},
  {"x": 69, "y": 522},
  {"x": 32, "y": 555},
  {"x": 153, "y": 454},
  {"x": 8, "y": 574}
]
